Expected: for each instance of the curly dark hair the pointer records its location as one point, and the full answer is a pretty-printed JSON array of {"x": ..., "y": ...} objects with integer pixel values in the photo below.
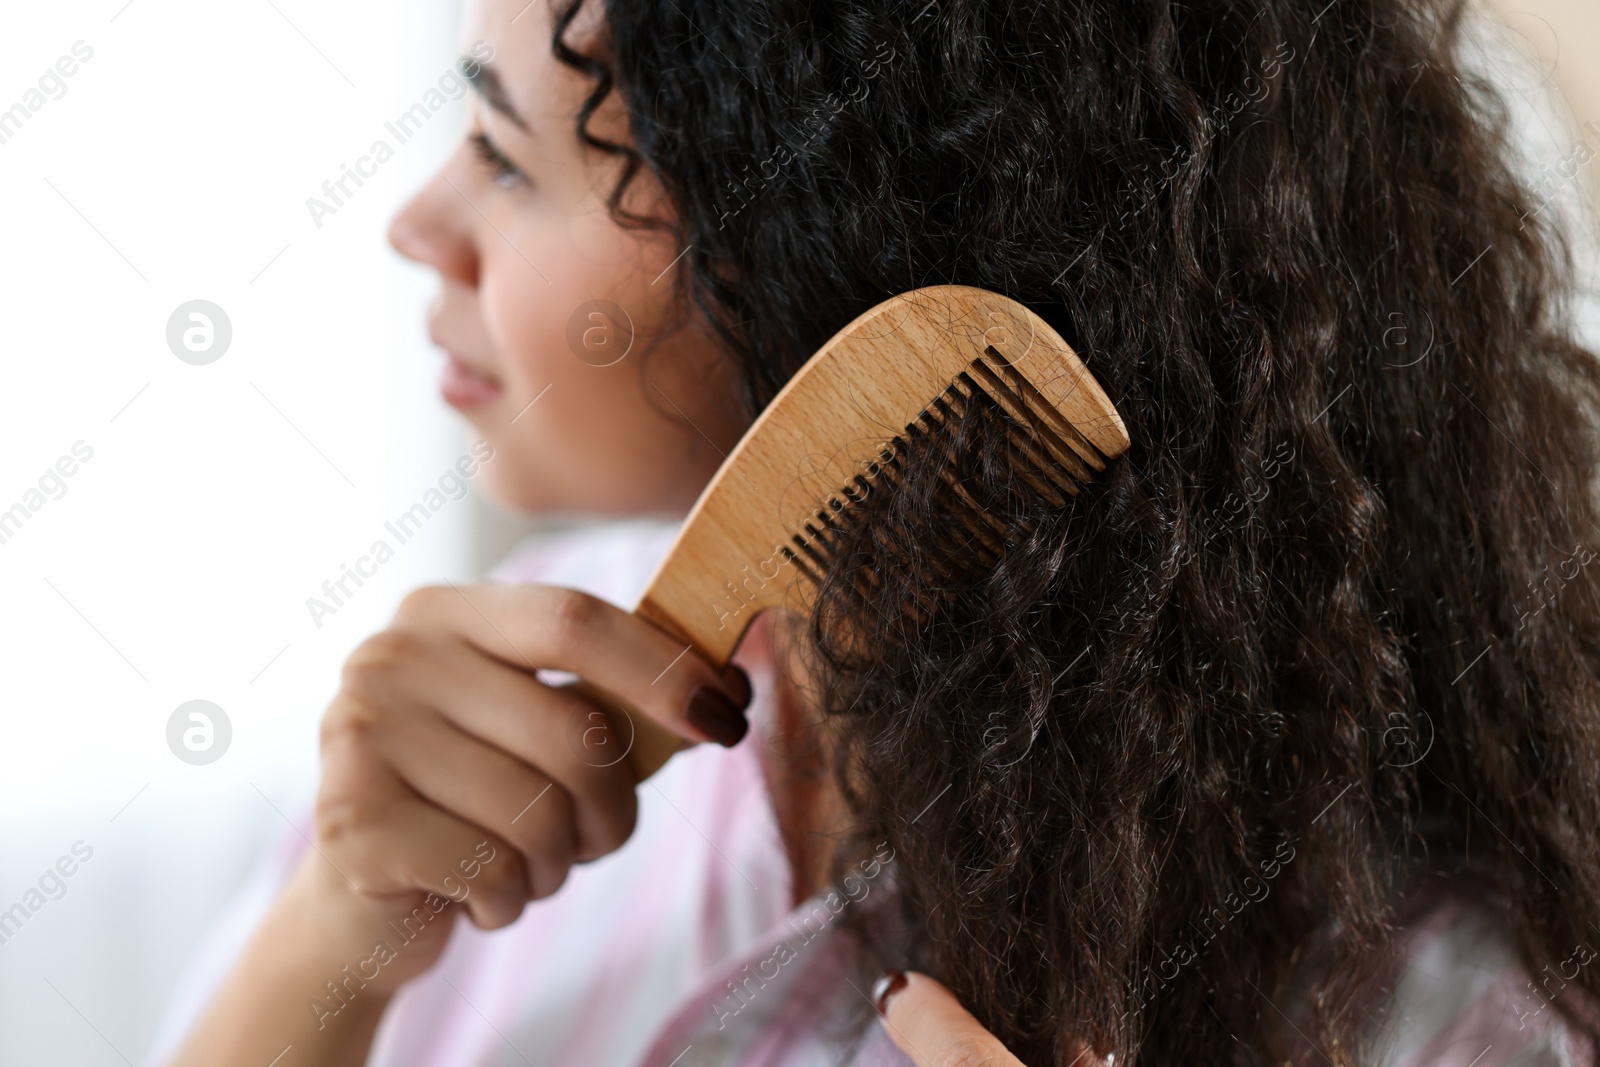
[{"x": 1327, "y": 627}]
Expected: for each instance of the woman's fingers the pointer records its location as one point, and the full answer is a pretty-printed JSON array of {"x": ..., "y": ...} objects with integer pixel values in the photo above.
[
  {"x": 443, "y": 746},
  {"x": 378, "y": 834},
  {"x": 531, "y": 626},
  {"x": 930, "y": 1025},
  {"x": 495, "y": 792},
  {"x": 534, "y": 735}
]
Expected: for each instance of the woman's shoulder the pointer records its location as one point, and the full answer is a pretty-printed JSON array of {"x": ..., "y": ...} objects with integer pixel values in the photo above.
[
  {"x": 1457, "y": 991},
  {"x": 611, "y": 560}
]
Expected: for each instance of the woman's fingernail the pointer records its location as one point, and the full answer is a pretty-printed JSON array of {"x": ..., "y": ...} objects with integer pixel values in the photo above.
[
  {"x": 890, "y": 983},
  {"x": 716, "y": 716},
  {"x": 739, "y": 682}
]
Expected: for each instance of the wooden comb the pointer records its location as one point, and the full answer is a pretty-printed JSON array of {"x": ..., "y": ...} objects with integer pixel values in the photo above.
[{"x": 760, "y": 531}]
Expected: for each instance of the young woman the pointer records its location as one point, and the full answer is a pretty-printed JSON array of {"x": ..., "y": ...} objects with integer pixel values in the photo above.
[{"x": 1279, "y": 744}]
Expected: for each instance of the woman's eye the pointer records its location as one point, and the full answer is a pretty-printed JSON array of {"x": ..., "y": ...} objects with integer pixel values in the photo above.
[{"x": 504, "y": 172}]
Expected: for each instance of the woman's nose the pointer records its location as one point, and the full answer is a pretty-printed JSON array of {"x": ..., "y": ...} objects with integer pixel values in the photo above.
[{"x": 433, "y": 229}]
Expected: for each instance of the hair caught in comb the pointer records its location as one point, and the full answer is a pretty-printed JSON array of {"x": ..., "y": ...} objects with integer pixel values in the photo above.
[{"x": 1033, "y": 452}]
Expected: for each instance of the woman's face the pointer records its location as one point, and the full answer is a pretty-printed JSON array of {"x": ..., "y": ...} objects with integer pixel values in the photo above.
[{"x": 515, "y": 223}]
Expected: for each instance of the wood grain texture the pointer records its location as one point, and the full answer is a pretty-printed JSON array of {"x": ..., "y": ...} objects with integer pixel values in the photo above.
[{"x": 741, "y": 550}]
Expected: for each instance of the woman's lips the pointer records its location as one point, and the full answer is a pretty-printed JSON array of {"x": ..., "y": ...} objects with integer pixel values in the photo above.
[{"x": 463, "y": 386}]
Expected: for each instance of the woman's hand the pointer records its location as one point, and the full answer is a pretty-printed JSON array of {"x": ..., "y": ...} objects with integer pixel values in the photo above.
[
  {"x": 930, "y": 1025},
  {"x": 450, "y": 769},
  {"x": 451, "y": 775}
]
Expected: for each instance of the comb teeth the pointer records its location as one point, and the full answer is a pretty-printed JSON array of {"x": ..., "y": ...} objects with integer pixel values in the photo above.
[{"x": 1055, "y": 462}]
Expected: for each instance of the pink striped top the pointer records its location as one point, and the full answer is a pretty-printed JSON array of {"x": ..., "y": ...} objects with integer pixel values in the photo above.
[{"x": 681, "y": 949}]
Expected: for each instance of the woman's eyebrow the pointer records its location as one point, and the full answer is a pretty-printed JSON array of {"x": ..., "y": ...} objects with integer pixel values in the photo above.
[{"x": 486, "y": 80}]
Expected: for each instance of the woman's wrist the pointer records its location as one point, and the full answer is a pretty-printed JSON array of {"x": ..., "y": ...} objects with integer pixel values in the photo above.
[
  {"x": 298, "y": 983},
  {"x": 314, "y": 928},
  {"x": 358, "y": 948}
]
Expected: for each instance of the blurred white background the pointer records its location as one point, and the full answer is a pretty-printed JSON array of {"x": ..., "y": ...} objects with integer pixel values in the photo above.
[{"x": 176, "y": 565}]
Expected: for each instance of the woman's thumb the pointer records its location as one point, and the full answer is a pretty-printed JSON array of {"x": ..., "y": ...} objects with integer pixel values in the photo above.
[{"x": 930, "y": 1025}]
